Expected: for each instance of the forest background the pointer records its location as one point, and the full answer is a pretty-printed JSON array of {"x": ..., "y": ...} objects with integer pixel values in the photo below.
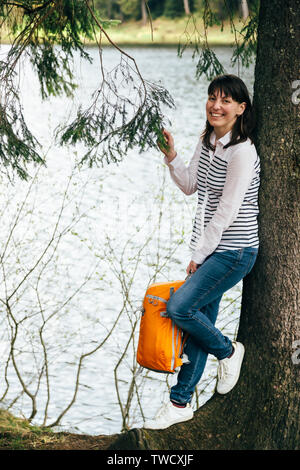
[
  {"x": 168, "y": 19},
  {"x": 125, "y": 10}
]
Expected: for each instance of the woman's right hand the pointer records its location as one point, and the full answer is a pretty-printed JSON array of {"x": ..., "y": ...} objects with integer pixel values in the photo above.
[
  {"x": 168, "y": 150},
  {"x": 192, "y": 267}
]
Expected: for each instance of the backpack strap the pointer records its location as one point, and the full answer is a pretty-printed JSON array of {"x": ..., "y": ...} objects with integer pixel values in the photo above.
[{"x": 152, "y": 298}]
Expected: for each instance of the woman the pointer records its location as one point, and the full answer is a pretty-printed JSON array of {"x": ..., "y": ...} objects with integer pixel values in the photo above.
[{"x": 225, "y": 172}]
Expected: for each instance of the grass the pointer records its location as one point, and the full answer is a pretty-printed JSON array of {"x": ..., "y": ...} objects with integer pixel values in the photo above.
[
  {"x": 166, "y": 32},
  {"x": 19, "y": 434}
]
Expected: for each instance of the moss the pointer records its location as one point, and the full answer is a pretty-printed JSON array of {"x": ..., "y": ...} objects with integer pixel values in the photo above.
[{"x": 19, "y": 434}]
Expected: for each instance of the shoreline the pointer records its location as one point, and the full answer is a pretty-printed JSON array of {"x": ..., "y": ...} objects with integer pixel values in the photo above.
[
  {"x": 19, "y": 434},
  {"x": 166, "y": 33}
]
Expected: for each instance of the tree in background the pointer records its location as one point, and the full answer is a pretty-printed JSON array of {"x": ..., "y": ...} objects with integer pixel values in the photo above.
[
  {"x": 156, "y": 7},
  {"x": 244, "y": 9},
  {"x": 130, "y": 8},
  {"x": 108, "y": 8},
  {"x": 221, "y": 9},
  {"x": 144, "y": 12},
  {"x": 186, "y": 5},
  {"x": 173, "y": 8}
]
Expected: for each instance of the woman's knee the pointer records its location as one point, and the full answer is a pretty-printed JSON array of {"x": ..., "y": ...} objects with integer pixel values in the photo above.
[
  {"x": 170, "y": 310},
  {"x": 174, "y": 309}
]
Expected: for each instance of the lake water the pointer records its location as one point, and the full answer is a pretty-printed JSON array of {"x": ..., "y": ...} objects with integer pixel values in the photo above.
[{"x": 83, "y": 247}]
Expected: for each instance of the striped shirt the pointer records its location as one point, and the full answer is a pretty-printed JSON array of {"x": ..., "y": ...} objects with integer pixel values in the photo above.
[{"x": 227, "y": 181}]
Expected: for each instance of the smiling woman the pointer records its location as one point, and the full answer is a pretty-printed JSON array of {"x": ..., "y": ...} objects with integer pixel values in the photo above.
[
  {"x": 228, "y": 108},
  {"x": 225, "y": 172},
  {"x": 222, "y": 111}
]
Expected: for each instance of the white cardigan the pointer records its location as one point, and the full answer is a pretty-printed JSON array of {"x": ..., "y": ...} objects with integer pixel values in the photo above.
[{"x": 227, "y": 181}]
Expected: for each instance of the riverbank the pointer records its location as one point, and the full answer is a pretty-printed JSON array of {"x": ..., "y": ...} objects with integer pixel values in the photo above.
[
  {"x": 167, "y": 32},
  {"x": 18, "y": 434},
  {"x": 162, "y": 32}
]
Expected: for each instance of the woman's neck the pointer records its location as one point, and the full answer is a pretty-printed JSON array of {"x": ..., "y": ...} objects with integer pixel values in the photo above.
[{"x": 220, "y": 133}]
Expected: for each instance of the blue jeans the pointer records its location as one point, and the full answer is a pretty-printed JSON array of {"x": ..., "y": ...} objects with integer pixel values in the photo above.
[{"x": 194, "y": 308}]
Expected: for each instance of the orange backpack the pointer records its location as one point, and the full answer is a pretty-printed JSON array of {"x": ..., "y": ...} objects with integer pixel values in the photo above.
[{"x": 161, "y": 342}]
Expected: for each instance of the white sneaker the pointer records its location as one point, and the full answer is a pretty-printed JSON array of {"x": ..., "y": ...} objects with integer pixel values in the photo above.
[
  {"x": 168, "y": 415},
  {"x": 229, "y": 369}
]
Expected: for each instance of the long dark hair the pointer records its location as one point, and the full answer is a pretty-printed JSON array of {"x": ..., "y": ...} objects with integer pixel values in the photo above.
[{"x": 234, "y": 87}]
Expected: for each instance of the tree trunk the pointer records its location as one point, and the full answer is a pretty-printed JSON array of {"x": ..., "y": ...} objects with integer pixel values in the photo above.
[
  {"x": 109, "y": 8},
  {"x": 144, "y": 13},
  {"x": 244, "y": 9},
  {"x": 186, "y": 7},
  {"x": 263, "y": 410}
]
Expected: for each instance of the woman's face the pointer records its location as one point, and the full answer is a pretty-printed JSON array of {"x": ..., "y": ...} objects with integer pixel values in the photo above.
[{"x": 222, "y": 112}]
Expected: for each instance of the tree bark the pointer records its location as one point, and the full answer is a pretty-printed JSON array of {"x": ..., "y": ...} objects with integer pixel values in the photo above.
[
  {"x": 244, "y": 9},
  {"x": 263, "y": 410},
  {"x": 186, "y": 7},
  {"x": 144, "y": 13},
  {"x": 109, "y": 8}
]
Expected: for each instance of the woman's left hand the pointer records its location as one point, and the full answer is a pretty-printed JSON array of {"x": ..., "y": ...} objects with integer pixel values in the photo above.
[{"x": 192, "y": 267}]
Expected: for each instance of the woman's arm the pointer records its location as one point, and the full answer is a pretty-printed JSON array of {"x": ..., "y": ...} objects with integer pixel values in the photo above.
[{"x": 185, "y": 177}]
